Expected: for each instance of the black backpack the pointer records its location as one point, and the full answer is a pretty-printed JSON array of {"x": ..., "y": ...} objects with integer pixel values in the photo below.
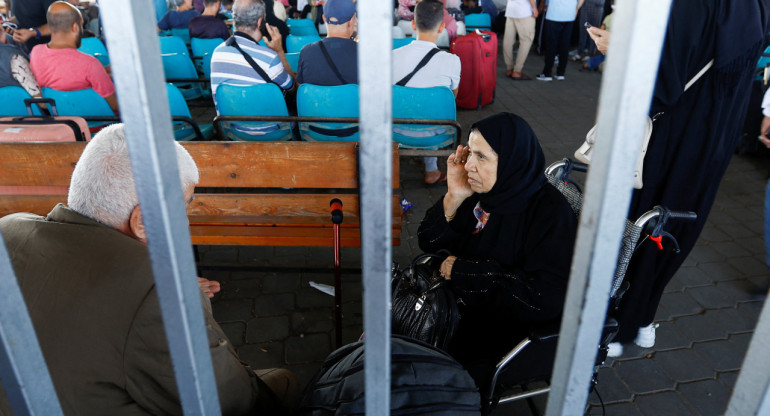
[{"x": 424, "y": 381}]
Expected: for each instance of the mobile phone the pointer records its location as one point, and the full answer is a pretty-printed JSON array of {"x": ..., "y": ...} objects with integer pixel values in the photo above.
[
  {"x": 587, "y": 25},
  {"x": 263, "y": 30}
]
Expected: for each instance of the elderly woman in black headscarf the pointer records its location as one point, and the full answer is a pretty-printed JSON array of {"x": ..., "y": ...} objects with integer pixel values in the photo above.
[{"x": 509, "y": 232}]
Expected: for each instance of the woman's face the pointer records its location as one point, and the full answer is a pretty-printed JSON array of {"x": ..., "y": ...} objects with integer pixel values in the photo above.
[{"x": 481, "y": 164}]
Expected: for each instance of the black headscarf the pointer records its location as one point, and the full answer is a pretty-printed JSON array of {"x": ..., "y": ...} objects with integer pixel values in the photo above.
[{"x": 520, "y": 162}]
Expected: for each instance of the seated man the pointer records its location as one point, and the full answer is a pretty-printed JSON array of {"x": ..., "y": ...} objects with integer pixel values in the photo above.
[
  {"x": 178, "y": 18},
  {"x": 86, "y": 277},
  {"x": 208, "y": 25},
  {"x": 333, "y": 60},
  {"x": 441, "y": 69},
  {"x": 229, "y": 63},
  {"x": 14, "y": 67},
  {"x": 59, "y": 65}
]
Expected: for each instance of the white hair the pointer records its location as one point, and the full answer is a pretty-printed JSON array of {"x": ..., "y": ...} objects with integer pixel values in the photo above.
[{"x": 102, "y": 185}]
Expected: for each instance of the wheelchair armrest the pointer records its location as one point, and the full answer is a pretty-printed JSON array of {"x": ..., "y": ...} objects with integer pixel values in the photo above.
[{"x": 545, "y": 332}]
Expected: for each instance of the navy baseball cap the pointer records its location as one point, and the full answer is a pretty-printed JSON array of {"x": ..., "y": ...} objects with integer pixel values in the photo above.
[{"x": 338, "y": 12}]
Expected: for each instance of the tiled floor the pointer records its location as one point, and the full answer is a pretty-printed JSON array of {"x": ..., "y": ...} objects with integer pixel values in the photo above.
[{"x": 706, "y": 315}]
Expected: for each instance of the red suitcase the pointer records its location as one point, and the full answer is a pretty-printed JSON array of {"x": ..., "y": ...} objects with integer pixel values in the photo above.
[
  {"x": 478, "y": 57},
  {"x": 43, "y": 128}
]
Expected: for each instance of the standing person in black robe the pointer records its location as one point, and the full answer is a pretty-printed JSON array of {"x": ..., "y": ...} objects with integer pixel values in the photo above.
[
  {"x": 274, "y": 21},
  {"x": 692, "y": 140},
  {"x": 510, "y": 235}
]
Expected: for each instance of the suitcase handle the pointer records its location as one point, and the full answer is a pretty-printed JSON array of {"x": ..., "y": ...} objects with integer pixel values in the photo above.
[
  {"x": 29, "y": 101},
  {"x": 484, "y": 36}
]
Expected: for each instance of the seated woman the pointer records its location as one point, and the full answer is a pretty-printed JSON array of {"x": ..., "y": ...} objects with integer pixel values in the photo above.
[{"x": 510, "y": 235}]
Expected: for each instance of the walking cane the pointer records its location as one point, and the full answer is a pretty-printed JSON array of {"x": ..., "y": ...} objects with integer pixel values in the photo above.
[{"x": 336, "y": 211}]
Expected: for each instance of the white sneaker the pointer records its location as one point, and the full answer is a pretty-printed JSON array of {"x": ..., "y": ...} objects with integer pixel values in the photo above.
[
  {"x": 646, "y": 336},
  {"x": 560, "y": 77},
  {"x": 615, "y": 349},
  {"x": 542, "y": 77}
]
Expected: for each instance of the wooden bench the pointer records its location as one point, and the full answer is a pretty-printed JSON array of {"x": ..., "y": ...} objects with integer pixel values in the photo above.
[{"x": 249, "y": 193}]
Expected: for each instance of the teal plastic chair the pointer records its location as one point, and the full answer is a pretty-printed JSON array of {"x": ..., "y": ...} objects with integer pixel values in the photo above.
[
  {"x": 185, "y": 128},
  {"x": 293, "y": 59},
  {"x": 301, "y": 27},
  {"x": 321, "y": 101},
  {"x": 252, "y": 100},
  {"x": 481, "y": 21},
  {"x": 202, "y": 49},
  {"x": 160, "y": 9},
  {"x": 82, "y": 103},
  {"x": 437, "y": 103},
  {"x": 397, "y": 43},
  {"x": 179, "y": 68},
  {"x": 12, "y": 102},
  {"x": 95, "y": 48},
  {"x": 295, "y": 44},
  {"x": 764, "y": 60},
  {"x": 181, "y": 33}
]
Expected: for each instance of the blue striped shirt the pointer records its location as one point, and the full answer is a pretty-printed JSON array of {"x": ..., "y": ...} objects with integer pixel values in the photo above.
[{"x": 228, "y": 66}]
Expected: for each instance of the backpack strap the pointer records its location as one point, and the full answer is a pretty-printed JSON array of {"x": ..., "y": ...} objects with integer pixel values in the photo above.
[
  {"x": 419, "y": 66},
  {"x": 331, "y": 63},
  {"x": 231, "y": 42}
]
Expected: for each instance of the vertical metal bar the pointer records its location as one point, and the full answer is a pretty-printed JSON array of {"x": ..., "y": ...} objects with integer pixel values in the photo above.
[
  {"x": 25, "y": 377},
  {"x": 337, "y": 287},
  {"x": 751, "y": 395},
  {"x": 632, "y": 64},
  {"x": 374, "y": 51},
  {"x": 131, "y": 31}
]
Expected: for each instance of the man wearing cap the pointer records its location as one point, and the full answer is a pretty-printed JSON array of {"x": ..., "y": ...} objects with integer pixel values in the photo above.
[{"x": 333, "y": 60}]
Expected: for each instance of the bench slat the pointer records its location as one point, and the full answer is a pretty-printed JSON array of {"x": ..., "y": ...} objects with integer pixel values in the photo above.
[
  {"x": 38, "y": 164},
  {"x": 278, "y": 236}
]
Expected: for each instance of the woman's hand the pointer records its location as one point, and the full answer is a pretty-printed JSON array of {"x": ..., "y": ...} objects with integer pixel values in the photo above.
[
  {"x": 601, "y": 37},
  {"x": 446, "y": 267},
  {"x": 457, "y": 181},
  {"x": 209, "y": 287}
]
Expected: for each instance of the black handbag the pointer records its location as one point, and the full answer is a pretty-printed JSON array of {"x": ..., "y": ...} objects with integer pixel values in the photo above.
[{"x": 424, "y": 307}]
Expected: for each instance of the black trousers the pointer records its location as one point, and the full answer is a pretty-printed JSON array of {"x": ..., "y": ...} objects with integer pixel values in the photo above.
[{"x": 556, "y": 36}]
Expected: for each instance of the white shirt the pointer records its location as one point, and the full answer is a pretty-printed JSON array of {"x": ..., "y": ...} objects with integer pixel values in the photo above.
[
  {"x": 766, "y": 104},
  {"x": 517, "y": 9},
  {"x": 561, "y": 10},
  {"x": 443, "y": 70}
]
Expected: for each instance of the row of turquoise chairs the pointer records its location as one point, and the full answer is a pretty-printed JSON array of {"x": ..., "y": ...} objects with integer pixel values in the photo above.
[
  {"x": 302, "y": 27},
  {"x": 92, "y": 107},
  {"x": 424, "y": 118},
  {"x": 481, "y": 21}
]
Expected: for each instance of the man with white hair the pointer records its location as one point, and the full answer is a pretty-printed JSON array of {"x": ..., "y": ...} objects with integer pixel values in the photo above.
[{"x": 86, "y": 277}]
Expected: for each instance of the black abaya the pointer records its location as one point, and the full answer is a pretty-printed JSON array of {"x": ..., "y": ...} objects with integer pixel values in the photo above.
[{"x": 694, "y": 138}]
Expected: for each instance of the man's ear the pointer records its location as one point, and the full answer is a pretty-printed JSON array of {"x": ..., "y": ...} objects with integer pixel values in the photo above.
[
  {"x": 441, "y": 27},
  {"x": 414, "y": 26},
  {"x": 136, "y": 225}
]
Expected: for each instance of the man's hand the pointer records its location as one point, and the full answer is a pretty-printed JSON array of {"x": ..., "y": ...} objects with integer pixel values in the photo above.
[
  {"x": 763, "y": 132},
  {"x": 446, "y": 267},
  {"x": 535, "y": 13},
  {"x": 601, "y": 37},
  {"x": 23, "y": 35},
  {"x": 275, "y": 39},
  {"x": 209, "y": 287}
]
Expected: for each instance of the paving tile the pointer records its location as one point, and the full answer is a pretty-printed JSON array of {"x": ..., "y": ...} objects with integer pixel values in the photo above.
[
  {"x": 699, "y": 328},
  {"x": 668, "y": 337},
  {"x": 755, "y": 245},
  {"x": 728, "y": 379},
  {"x": 713, "y": 234},
  {"x": 708, "y": 396},
  {"x": 643, "y": 376},
  {"x": 308, "y": 297},
  {"x": 617, "y": 409},
  {"x": 304, "y": 372},
  {"x": 220, "y": 254},
  {"x": 256, "y": 255},
  {"x": 239, "y": 289},
  {"x": 741, "y": 341},
  {"x": 259, "y": 356},
  {"x": 611, "y": 388},
  {"x": 280, "y": 283},
  {"x": 663, "y": 404},
  {"x": 751, "y": 310},
  {"x": 722, "y": 355},
  {"x": 232, "y": 310},
  {"x": 730, "y": 320},
  {"x": 692, "y": 277},
  {"x": 719, "y": 272},
  {"x": 678, "y": 304},
  {"x": 710, "y": 297},
  {"x": 751, "y": 266},
  {"x": 741, "y": 290},
  {"x": 234, "y": 332},
  {"x": 683, "y": 365},
  {"x": 706, "y": 254},
  {"x": 312, "y": 320},
  {"x": 730, "y": 249},
  {"x": 274, "y": 328},
  {"x": 307, "y": 348},
  {"x": 273, "y": 304}
]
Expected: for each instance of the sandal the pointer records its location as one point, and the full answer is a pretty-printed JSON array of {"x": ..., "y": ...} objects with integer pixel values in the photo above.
[
  {"x": 441, "y": 179},
  {"x": 521, "y": 78}
]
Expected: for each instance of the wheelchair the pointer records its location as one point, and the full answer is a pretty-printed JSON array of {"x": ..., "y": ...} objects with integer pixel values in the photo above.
[{"x": 531, "y": 360}]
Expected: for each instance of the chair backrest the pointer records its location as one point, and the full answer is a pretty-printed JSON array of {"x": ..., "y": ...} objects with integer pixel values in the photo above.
[
  {"x": 296, "y": 43},
  {"x": 397, "y": 32},
  {"x": 176, "y": 103},
  {"x": 478, "y": 20},
  {"x": 322, "y": 101},
  {"x": 436, "y": 103},
  {"x": 253, "y": 100},
  {"x": 95, "y": 47},
  {"x": 178, "y": 65},
  {"x": 182, "y": 33},
  {"x": 399, "y": 42},
  {"x": 764, "y": 60},
  {"x": 301, "y": 27},
  {"x": 161, "y": 7},
  {"x": 81, "y": 103},
  {"x": 202, "y": 47},
  {"x": 12, "y": 102},
  {"x": 293, "y": 59},
  {"x": 172, "y": 44}
]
